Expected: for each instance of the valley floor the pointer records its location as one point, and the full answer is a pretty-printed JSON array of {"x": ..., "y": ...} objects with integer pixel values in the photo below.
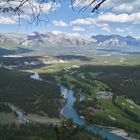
[{"x": 41, "y": 102}]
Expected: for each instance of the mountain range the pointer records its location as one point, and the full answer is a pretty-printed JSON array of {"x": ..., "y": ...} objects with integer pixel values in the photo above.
[
  {"x": 115, "y": 41},
  {"x": 49, "y": 39}
]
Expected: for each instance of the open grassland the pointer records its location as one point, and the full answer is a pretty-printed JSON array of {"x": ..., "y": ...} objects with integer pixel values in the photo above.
[
  {"x": 115, "y": 115},
  {"x": 43, "y": 119},
  {"x": 53, "y": 68},
  {"x": 6, "y": 115},
  {"x": 6, "y": 118},
  {"x": 129, "y": 104}
]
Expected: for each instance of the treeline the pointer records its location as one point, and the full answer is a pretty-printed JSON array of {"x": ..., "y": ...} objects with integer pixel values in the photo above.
[
  {"x": 5, "y": 108},
  {"x": 65, "y": 131},
  {"x": 82, "y": 105},
  {"x": 114, "y": 76}
]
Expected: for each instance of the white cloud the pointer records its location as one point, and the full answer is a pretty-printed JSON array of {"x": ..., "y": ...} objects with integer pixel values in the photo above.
[
  {"x": 27, "y": 10},
  {"x": 120, "y": 30},
  {"x": 128, "y": 30},
  {"x": 83, "y": 21},
  {"x": 74, "y": 34},
  {"x": 123, "y": 6},
  {"x": 82, "y": 3},
  {"x": 78, "y": 29},
  {"x": 119, "y": 6},
  {"x": 89, "y": 21},
  {"x": 138, "y": 37},
  {"x": 67, "y": 33},
  {"x": 57, "y": 32},
  {"x": 31, "y": 6},
  {"x": 104, "y": 26},
  {"x": 129, "y": 6},
  {"x": 60, "y": 23},
  {"x": 106, "y": 29},
  {"x": 120, "y": 18},
  {"x": 8, "y": 20}
]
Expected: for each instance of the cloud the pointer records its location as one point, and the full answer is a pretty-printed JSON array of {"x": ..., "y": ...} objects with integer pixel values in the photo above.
[
  {"x": 129, "y": 6},
  {"x": 78, "y": 29},
  {"x": 60, "y": 23},
  {"x": 138, "y": 37},
  {"x": 119, "y": 6},
  {"x": 83, "y": 21},
  {"x": 120, "y": 30},
  {"x": 122, "y": 6},
  {"x": 82, "y": 3},
  {"x": 29, "y": 9},
  {"x": 104, "y": 26},
  {"x": 125, "y": 30},
  {"x": 89, "y": 21},
  {"x": 8, "y": 20},
  {"x": 74, "y": 34},
  {"x": 31, "y": 6},
  {"x": 120, "y": 18},
  {"x": 56, "y": 32}
]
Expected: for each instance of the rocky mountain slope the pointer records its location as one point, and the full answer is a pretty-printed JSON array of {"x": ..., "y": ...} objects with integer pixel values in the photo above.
[
  {"x": 49, "y": 39},
  {"x": 115, "y": 41}
]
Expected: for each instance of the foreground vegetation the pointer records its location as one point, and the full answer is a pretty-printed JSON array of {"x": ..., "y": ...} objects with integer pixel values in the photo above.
[
  {"x": 122, "y": 81},
  {"x": 6, "y": 115},
  {"x": 32, "y": 96},
  {"x": 65, "y": 131},
  {"x": 39, "y": 99}
]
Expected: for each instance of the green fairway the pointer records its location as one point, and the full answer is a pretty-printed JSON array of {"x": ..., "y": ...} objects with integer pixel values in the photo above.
[
  {"x": 129, "y": 104},
  {"x": 115, "y": 114}
]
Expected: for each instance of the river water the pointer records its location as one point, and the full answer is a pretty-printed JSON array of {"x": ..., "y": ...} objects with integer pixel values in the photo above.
[
  {"x": 22, "y": 119},
  {"x": 69, "y": 112}
]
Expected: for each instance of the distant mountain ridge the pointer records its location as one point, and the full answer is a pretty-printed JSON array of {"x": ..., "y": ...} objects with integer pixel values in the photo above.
[
  {"x": 49, "y": 39},
  {"x": 59, "y": 40},
  {"x": 115, "y": 41}
]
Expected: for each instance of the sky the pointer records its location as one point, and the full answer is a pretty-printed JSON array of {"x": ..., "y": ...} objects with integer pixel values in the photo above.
[{"x": 114, "y": 17}]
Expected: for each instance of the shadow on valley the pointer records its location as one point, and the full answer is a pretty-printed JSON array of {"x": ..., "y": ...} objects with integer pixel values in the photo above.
[
  {"x": 125, "y": 51},
  {"x": 73, "y": 57},
  {"x": 22, "y": 62},
  {"x": 15, "y": 51}
]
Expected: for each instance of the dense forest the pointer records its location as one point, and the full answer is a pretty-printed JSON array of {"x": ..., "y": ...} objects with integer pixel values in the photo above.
[
  {"x": 30, "y": 95},
  {"x": 65, "y": 131}
]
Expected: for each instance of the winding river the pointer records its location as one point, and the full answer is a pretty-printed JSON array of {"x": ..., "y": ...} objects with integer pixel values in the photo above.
[{"x": 69, "y": 112}]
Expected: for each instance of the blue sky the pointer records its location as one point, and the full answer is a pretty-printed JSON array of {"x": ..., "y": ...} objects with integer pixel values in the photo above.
[{"x": 114, "y": 17}]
